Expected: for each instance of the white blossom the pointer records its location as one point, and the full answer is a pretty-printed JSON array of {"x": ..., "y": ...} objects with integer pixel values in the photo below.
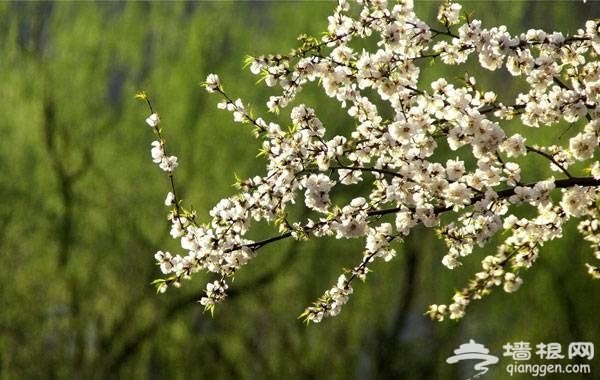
[
  {"x": 393, "y": 151},
  {"x": 213, "y": 83},
  {"x": 317, "y": 192},
  {"x": 153, "y": 120},
  {"x": 170, "y": 199},
  {"x": 512, "y": 283}
]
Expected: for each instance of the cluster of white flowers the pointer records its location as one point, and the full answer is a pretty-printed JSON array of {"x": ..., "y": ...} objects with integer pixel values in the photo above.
[
  {"x": 330, "y": 304},
  {"x": 397, "y": 132},
  {"x": 590, "y": 229},
  {"x": 166, "y": 163}
]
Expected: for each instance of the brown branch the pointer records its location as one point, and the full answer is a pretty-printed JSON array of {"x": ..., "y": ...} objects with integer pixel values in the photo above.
[
  {"x": 549, "y": 157},
  {"x": 502, "y": 194}
]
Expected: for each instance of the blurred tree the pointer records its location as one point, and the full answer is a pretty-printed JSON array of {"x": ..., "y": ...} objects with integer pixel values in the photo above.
[{"x": 80, "y": 204}]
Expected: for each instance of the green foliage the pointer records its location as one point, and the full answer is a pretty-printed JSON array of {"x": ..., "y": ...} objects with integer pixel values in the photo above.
[{"x": 81, "y": 211}]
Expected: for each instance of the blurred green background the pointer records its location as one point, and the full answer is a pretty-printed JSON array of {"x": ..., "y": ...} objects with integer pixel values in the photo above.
[{"x": 81, "y": 213}]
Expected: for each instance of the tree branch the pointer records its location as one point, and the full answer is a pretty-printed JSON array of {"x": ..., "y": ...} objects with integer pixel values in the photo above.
[{"x": 502, "y": 194}]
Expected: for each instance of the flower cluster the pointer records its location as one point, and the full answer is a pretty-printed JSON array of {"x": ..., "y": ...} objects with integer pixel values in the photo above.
[
  {"x": 330, "y": 304},
  {"x": 398, "y": 133}
]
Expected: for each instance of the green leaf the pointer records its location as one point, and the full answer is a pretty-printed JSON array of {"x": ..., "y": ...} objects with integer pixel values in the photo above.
[
  {"x": 141, "y": 96},
  {"x": 248, "y": 59}
]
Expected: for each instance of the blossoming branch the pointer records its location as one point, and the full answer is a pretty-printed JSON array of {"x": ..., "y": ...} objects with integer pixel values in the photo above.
[{"x": 398, "y": 157}]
